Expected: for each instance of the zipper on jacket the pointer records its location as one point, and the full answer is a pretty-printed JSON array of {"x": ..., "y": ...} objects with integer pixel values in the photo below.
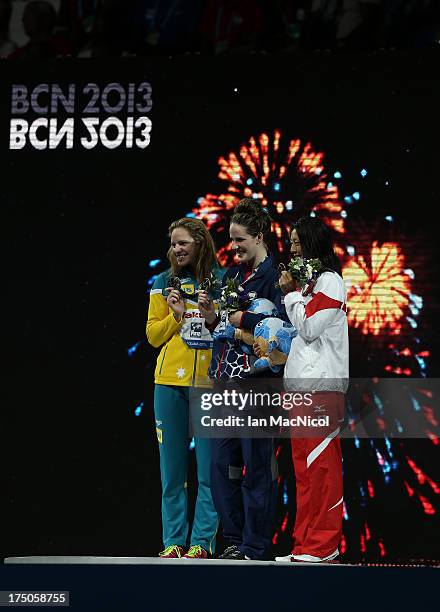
[
  {"x": 218, "y": 373},
  {"x": 163, "y": 359}
]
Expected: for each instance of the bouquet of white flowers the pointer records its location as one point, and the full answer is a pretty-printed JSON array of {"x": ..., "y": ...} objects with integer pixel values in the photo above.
[
  {"x": 304, "y": 272},
  {"x": 233, "y": 297}
]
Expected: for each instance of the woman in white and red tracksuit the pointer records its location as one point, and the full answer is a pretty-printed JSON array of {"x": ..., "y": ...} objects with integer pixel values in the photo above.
[{"x": 320, "y": 353}]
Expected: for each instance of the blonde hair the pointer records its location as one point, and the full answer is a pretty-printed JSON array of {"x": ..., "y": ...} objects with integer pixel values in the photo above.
[{"x": 206, "y": 253}]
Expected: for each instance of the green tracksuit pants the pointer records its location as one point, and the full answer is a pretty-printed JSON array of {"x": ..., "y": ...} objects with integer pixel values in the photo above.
[{"x": 171, "y": 410}]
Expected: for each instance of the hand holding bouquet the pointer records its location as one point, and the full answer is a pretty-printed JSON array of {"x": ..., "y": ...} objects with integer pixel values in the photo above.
[{"x": 304, "y": 272}]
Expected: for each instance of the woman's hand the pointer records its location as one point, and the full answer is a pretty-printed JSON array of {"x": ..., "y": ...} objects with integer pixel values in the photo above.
[
  {"x": 260, "y": 347},
  {"x": 235, "y": 318},
  {"x": 257, "y": 349},
  {"x": 287, "y": 283},
  {"x": 176, "y": 303},
  {"x": 206, "y": 307}
]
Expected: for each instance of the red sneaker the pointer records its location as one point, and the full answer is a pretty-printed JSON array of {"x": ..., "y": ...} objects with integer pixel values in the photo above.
[
  {"x": 172, "y": 552},
  {"x": 196, "y": 552}
]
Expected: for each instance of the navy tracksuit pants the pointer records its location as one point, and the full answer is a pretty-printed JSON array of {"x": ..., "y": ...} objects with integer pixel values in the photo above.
[{"x": 244, "y": 489}]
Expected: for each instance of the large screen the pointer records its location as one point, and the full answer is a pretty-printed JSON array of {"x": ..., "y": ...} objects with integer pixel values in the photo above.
[{"x": 97, "y": 159}]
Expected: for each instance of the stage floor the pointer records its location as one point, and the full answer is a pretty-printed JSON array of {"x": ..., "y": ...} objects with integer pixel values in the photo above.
[
  {"x": 89, "y": 560},
  {"x": 149, "y": 584}
]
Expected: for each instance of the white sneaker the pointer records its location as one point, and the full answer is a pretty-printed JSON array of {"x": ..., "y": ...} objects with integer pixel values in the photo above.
[
  {"x": 285, "y": 559},
  {"x": 312, "y": 559}
]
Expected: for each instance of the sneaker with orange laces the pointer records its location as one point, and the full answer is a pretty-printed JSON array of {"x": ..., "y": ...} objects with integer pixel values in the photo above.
[
  {"x": 196, "y": 552},
  {"x": 172, "y": 552}
]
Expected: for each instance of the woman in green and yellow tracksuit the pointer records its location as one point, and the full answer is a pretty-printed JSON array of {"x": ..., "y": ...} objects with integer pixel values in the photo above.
[{"x": 175, "y": 324}]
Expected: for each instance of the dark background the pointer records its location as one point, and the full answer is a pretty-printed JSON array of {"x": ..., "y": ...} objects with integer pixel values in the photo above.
[{"x": 80, "y": 227}]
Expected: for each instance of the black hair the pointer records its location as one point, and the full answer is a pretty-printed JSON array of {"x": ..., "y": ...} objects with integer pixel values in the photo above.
[
  {"x": 316, "y": 241},
  {"x": 250, "y": 214}
]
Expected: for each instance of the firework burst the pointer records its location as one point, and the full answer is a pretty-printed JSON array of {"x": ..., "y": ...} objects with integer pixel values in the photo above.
[
  {"x": 287, "y": 177},
  {"x": 379, "y": 290}
]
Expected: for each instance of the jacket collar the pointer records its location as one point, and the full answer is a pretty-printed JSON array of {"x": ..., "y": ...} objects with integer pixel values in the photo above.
[{"x": 259, "y": 272}]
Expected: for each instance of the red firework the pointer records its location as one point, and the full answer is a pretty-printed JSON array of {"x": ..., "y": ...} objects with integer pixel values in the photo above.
[{"x": 288, "y": 178}]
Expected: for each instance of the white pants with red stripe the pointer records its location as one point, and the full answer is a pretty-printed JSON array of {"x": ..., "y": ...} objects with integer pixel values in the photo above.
[{"x": 319, "y": 489}]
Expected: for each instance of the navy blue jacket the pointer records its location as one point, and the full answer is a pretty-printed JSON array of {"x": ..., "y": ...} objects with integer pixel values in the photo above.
[{"x": 228, "y": 359}]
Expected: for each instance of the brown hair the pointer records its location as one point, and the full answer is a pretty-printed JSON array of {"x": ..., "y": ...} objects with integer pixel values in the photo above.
[
  {"x": 206, "y": 254},
  {"x": 251, "y": 215}
]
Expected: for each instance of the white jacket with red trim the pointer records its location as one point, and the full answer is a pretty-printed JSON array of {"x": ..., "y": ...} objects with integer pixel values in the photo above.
[{"x": 320, "y": 351}]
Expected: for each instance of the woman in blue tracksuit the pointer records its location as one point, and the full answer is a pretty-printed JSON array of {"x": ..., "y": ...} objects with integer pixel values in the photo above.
[{"x": 245, "y": 503}]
